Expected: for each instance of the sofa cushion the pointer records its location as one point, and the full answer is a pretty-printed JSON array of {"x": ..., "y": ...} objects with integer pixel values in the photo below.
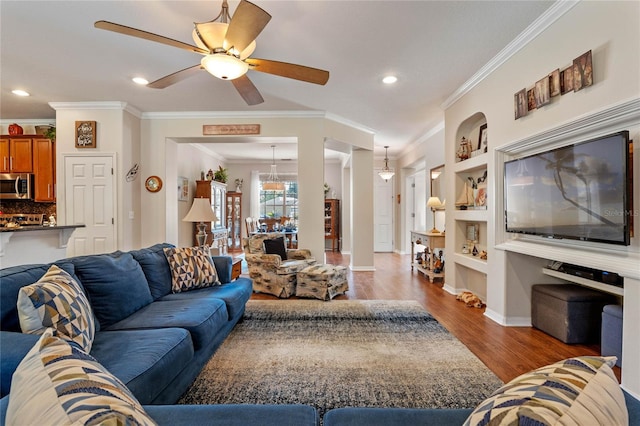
[
  {"x": 276, "y": 246},
  {"x": 14, "y": 346},
  {"x": 14, "y": 278},
  {"x": 191, "y": 268},
  {"x": 575, "y": 391},
  {"x": 352, "y": 416},
  {"x": 146, "y": 361},
  {"x": 234, "y": 294},
  {"x": 115, "y": 284},
  {"x": 202, "y": 318},
  {"x": 156, "y": 268},
  {"x": 57, "y": 301},
  {"x": 59, "y": 382},
  {"x": 234, "y": 415}
]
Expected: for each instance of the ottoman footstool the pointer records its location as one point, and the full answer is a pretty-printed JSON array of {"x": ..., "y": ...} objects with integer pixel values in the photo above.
[
  {"x": 570, "y": 313},
  {"x": 322, "y": 281}
]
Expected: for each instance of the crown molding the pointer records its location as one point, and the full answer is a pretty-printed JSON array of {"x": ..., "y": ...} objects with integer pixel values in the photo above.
[
  {"x": 109, "y": 105},
  {"x": 182, "y": 115},
  {"x": 346, "y": 122},
  {"x": 557, "y": 10}
]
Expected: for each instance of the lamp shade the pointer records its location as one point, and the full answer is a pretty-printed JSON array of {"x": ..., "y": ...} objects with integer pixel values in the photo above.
[
  {"x": 201, "y": 211},
  {"x": 434, "y": 203}
]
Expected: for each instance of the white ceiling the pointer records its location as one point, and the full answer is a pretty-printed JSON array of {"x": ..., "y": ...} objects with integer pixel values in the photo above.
[{"x": 52, "y": 50}]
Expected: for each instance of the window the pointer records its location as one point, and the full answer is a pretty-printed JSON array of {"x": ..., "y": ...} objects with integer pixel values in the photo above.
[{"x": 280, "y": 203}]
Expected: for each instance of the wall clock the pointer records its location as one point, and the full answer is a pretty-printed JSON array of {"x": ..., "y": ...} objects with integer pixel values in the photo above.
[{"x": 153, "y": 184}]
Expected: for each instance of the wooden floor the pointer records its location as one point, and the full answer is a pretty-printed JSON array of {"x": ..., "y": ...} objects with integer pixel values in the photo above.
[{"x": 507, "y": 351}]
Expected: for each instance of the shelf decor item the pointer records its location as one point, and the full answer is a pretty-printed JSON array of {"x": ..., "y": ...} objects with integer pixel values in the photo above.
[{"x": 15, "y": 129}]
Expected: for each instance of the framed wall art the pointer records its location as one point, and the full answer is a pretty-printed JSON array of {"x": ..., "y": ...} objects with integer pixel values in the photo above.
[
  {"x": 542, "y": 92},
  {"x": 566, "y": 80},
  {"x": 183, "y": 188},
  {"x": 520, "y": 103},
  {"x": 554, "y": 83},
  {"x": 86, "y": 134},
  {"x": 582, "y": 71},
  {"x": 482, "y": 138}
]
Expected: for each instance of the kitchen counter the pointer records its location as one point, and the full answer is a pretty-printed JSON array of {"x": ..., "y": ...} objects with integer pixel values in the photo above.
[
  {"x": 39, "y": 228},
  {"x": 34, "y": 244}
]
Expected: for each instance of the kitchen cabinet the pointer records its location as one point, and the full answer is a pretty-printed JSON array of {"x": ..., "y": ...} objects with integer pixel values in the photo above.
[
  {"x": 43, "y": 168},
  {"x": 16, "y": 154}
]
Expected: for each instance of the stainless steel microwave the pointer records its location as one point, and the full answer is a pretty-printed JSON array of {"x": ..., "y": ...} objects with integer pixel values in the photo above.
[{"x": 16, "y": 186}]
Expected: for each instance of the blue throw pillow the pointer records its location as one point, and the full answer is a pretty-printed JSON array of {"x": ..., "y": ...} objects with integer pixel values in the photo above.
[
  {"x": 156, "y": 268},
  {"x": 115, "y": 284}
]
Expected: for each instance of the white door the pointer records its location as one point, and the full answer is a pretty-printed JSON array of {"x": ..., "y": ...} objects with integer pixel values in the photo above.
[
  {"x": 383, "y": 214},
  {"x": 89, "y": 200}
]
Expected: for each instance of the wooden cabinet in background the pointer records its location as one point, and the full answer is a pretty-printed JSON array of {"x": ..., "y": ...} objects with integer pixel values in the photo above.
[
  {"x": 43, "y": 168},
  {"x": 332, "y": 222},
  {"x": 16, "y": 154},
  {"x": 217, "y": 232},
  {"x": 234, "y": 220}
]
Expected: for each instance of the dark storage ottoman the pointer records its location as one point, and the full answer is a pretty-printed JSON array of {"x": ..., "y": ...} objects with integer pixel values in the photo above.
[
  {"x": 611, "y": 338},
  {"x": 570, "y": 313}
]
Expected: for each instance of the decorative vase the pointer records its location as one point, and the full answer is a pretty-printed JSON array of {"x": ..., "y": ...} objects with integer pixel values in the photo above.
[{"x": 15, "y": 129}]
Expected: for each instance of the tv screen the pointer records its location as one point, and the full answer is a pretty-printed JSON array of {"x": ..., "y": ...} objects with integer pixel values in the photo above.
[{"x": 577, "y": 192}]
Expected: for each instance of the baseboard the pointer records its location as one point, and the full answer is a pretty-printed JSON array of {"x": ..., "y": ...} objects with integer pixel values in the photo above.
[
  {"x": 507, "y": 321},
  {"x": 362, "y": 268}
]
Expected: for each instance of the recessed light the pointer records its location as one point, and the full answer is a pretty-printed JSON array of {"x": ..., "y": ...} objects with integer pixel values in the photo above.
[
  {"x": 390, "y": 79},
  {"x": 20, "y": 92},
  {"x": 141, "y": 81}
]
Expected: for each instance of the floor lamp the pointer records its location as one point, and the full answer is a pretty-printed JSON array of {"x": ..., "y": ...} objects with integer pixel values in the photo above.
[
  {"x": 434, "y": 203},
  {"x": 201, "y": 212}
]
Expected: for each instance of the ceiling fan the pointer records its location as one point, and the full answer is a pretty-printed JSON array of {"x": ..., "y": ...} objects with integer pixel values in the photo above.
[{"x": 227, "y": 44}]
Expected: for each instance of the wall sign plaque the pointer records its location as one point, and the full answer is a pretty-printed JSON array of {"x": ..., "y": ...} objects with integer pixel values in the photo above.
[{"x": 230, "y": 129}]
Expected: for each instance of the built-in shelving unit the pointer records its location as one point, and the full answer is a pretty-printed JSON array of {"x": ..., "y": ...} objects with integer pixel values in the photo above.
[{"x": 469, "y": 210}]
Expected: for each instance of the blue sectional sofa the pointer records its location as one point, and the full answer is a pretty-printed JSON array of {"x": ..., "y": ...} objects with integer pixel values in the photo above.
[{"x": 154, "y": 341}]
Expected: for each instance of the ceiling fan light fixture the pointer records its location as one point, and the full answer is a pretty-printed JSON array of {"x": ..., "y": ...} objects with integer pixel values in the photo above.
[
  {"x": 211, "y": 36},
  {"x": 223, "y": 66},
  {"x": 386, "y": 173}
]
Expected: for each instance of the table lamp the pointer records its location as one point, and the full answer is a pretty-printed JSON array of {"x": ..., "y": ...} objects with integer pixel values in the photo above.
[
  {"x": 201, "y": 212},
  {"x": 434, "y": 203}
]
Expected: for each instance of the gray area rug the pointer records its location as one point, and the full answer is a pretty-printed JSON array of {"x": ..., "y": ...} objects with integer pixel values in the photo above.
[{"x": 368, "y": 353}]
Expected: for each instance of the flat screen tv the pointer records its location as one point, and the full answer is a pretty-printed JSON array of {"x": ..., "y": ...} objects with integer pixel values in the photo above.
[{"x": 578, "y": 192}]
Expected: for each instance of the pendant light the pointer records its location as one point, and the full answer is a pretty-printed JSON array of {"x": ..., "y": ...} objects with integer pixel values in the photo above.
[
  {"x": 386, "y": 173},
  {"x": 272, "y": 183}
]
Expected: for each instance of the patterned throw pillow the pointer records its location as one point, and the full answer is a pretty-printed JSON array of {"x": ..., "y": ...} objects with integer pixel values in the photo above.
[
  {"x": 57, "y": 383},
  {"x": 56, "y": 300},
  {"x": 191, "y": 268},
  {"x": 576, "y": 391}
]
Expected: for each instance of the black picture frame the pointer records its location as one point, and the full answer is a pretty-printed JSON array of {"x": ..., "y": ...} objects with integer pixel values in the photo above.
[{"x": 482, "y": 138}]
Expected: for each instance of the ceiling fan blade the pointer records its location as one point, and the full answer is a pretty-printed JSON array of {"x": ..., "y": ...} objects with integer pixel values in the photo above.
[
  {"x": 284, "y": 69},
  {"x": 247, "y": 90},
  {"x": 247, "y": 22},
  {"x": 123, "y": 29},
  {"x": 174, "y": 78}
]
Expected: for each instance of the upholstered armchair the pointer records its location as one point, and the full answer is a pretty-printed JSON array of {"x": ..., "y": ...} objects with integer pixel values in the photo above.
[{"x": 269, "y": 272}]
